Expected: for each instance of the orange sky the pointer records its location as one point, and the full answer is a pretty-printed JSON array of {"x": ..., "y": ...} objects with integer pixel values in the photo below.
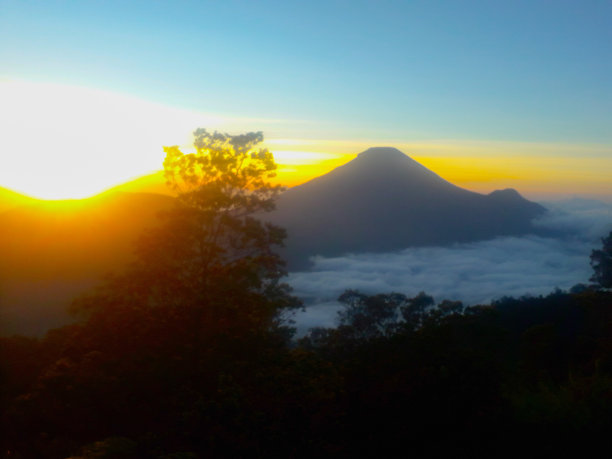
[
  {"x": 53, "y": 152},
  {"x": 537, "y": 170}
]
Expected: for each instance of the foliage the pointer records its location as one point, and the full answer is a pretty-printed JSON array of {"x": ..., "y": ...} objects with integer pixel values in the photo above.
[
  {"x": 534, "y": 369},
  {"x": 415, "y": 310},
  {"x": 601, "y": 261},
  {"x": 367, "y": 317},
  {"x": 222, "y": 185},
  {"x": 211, "y": 261},
  {"x": 529, "y": 368},
  {"x": 182, "y": 337},
  {"x": 182, "y": 355}
]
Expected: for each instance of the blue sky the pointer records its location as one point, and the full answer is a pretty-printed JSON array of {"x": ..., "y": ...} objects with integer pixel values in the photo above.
[
  {"x": 520, "y": 70},
  {"x": 385, "y": 71}
]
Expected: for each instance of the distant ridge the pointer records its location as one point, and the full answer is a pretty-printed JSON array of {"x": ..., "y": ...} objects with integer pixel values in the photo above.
[
  {"x": 52, "y": 251},
  {"x": 384, "y": 200},
  {"x": 10, "y": 199}
]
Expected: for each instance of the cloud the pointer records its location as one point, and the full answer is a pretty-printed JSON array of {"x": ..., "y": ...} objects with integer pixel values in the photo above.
[
  {"x": 585, "y": 219},
  {"x": 474, "y": 273}
]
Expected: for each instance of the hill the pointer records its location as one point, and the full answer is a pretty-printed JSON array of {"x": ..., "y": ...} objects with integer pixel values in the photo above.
[
  {"x": 54, "y": 250},
  {"x": 10, "y": 199},
  {"x": 383, "y": 200}
]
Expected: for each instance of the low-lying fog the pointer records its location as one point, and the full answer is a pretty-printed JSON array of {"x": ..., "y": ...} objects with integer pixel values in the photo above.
[{"x": 474, "y": 273}]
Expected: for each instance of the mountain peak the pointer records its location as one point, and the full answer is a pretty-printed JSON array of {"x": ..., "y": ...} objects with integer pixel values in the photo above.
[
  {"x": 508, "y": 193},
  {"x": 383, "y": 200},
  {"x": 382, "y": 152}
]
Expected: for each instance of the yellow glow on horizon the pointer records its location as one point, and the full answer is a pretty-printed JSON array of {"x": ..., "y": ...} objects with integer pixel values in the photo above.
[
  {"x": 534, "y": 169},
  {"x": 529, "y": 175},
  {"x": 296, "y": 167},
  {"x": 533, "y": 176},
  {"x": 63, "y": 142}
]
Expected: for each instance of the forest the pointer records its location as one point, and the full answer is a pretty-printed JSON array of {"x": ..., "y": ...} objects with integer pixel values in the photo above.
[{"x": 185, "y": 354}]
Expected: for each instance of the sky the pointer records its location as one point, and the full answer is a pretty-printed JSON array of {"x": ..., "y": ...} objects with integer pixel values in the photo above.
[{"x": 487, "y": 94}]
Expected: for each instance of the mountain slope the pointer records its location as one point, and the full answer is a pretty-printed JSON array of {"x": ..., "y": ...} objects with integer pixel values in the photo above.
[
  {"x": 383, "y": 200},
  {"x": 52, "y": 251},
  {"x": 10, "y": 199}
]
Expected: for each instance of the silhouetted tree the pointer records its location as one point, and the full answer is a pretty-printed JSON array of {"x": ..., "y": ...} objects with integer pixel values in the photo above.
[
  {"x": 182, "y": 355},
  {"x": 370, "y": 316},
  {"x": 178, "y": 343},
  {"x": 601, "y": 261},
  {"x": 415, "y": 310},
  {"x": 211, "y": 258}
]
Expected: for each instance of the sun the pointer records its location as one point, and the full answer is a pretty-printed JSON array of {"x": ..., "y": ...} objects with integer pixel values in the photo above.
[{"x": 65, "y": 142}]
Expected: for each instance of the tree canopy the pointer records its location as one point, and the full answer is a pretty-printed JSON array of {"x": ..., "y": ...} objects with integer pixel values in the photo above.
[
  {"x": 601, "y": 261},
  {"x": 182, "y": 336},
  {"x": 167, "y": 368},
  {"x": 211, "y": 257},
  {"x": 182, "y": 355}
]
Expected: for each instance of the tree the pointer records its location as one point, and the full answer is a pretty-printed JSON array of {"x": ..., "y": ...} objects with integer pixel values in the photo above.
[
  {"x": 370, "y": 317},
  {"x": 601, "y": 261},
  {"x": 183, "y": 336},
  {"x": 415, "y": 310},
  {"x": 212, "y": 259}
]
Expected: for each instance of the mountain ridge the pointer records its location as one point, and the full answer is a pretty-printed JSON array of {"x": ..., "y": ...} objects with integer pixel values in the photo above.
[
  {"x": 53, "y": 251},
  {"x": 10, "y": 199},
  {"x": 383, "y": 200}
]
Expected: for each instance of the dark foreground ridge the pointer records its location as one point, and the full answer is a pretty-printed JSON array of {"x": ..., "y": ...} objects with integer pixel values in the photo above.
[{"x": 384, "y": 200}]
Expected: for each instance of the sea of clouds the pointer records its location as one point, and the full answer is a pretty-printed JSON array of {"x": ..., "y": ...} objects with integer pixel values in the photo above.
[{"x": 475, "y": 273}]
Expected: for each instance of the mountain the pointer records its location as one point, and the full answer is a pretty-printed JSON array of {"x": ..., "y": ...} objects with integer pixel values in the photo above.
[
  {"x": 383, "y": 200},
  {"x": 52, "y": 251},
  {"x": 10, "y": 199}
]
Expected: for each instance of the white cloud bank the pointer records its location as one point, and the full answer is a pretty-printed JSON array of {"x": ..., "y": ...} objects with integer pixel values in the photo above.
[{"x": 473, "y": 273}]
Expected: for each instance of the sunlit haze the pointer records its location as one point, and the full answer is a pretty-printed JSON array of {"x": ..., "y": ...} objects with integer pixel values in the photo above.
[
  {"x": 68, "y": 142},
  {"x": 92, "y": 92},
  {"x": 241, "y": 228}
]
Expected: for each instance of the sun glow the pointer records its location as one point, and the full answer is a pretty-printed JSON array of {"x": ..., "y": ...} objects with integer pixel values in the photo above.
[
  {"x": 296, "y": 167},
  {"x": 538, "y": 170},
  {"x": 62, "y": 142}
]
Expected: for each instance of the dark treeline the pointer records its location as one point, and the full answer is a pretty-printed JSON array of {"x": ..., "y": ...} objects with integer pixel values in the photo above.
[
  {"x": 393, "y": 378},
  {"x": 184, "y": 355}
]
